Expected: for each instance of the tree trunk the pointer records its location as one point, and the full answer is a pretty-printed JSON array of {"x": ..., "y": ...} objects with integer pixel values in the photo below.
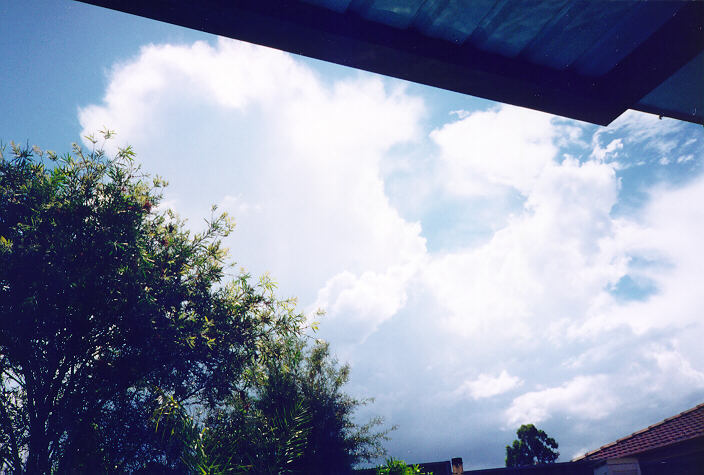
[
  {"x": 38, "y": 456},
  {"x": 38, "y": 459}
]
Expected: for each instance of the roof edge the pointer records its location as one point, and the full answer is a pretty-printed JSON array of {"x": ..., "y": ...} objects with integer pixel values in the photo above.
[{"x": 611, "y": 444}]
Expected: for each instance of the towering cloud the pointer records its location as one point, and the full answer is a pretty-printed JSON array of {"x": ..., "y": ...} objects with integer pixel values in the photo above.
[{"x": 581, "y": 292}]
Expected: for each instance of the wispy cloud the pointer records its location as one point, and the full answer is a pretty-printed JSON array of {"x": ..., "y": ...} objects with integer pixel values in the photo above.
[{"x": 610, "y": 151}]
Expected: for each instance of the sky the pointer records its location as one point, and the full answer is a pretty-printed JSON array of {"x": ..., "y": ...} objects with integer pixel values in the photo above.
[{"x": 480, "y": 265}]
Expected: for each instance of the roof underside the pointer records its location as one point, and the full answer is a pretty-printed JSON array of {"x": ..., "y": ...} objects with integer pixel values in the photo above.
[{"x": 587, "y": 60}]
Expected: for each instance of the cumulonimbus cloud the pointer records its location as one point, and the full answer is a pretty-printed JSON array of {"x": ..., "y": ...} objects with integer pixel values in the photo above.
[{"x": 298, "y": 160}]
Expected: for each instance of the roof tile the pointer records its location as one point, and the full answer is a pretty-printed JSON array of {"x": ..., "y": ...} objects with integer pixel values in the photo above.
[{"x": 684, "y": 426}]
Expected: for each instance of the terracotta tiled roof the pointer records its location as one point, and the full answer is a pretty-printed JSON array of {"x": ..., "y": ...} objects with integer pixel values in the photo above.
[{"x": 684, "y": 426}]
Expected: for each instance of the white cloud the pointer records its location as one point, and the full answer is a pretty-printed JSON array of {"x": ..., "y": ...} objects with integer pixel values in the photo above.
[
  {"x": 300, "y": 171},
  {"x": 584, "y": 397},
  {"x": 505, "y": 147},
  {"x": 140, "y": 89},
  {"x": 299, "y": 163},
  {"x": 357, "y": 305},
  {"x": 647, "y": 129},
  {"x": 610, "y": 151},
  {"x": 546, "y": 265},
  {"x": 487, "y": 385},
  {"x": 552, "y": 261},
  {"x": 664, "y": 161},
  {"x": 675, "y": 369},
  {"x": 237, "y": 206},
  {"x": 665, "y": 237}
]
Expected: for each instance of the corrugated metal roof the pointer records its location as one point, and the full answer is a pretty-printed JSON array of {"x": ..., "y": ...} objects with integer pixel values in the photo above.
[
  {"x": 590, "y": 37},
  {"x": 589, "y": 60}
]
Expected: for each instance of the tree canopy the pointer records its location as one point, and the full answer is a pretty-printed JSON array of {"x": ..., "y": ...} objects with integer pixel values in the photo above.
[
  {"x": 532, "y": 447},
  {"x": 110, "y": 306},
  {"x": 296, "y": 419}
]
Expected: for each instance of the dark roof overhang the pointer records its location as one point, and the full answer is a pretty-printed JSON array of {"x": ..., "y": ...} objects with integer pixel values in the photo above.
[{"x": 589, "y": 61}]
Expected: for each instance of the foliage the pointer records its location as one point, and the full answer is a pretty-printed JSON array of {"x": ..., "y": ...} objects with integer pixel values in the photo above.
[
  {"x": 337, "y": 443},
  {"x": 399, "y": 467},
  {"x": 294, "y": 418},
  {"x": 532, "y": 447},
  {"x": 116, "y": 320},
  {"x": 279, "y": 445},
  {"x": 103, "y": 298}
]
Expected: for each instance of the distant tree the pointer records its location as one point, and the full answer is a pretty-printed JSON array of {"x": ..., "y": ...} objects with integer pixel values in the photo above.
[
  {"x": 105, "y": 303},
  {"x": 532, "y": 447}
]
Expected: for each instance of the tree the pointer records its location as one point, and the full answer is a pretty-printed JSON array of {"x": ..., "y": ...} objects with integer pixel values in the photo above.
[
  {"x": 336, "y": 442},
  {"x": 107, "y": 302},
  {"x": 238, "y": 440},
  {"x": 295, "y": 418},
  {"x": 532, "y": 447}
]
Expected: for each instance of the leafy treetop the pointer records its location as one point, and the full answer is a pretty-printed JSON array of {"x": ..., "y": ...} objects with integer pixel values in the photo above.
[
  {"x": 532, "y": 447},
  {"x": 106, "y": 302}
]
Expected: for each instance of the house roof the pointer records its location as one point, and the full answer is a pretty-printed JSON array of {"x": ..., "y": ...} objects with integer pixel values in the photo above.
[
  {"x": 587, "y": 60},
  {"x": 682, "y": 427}
]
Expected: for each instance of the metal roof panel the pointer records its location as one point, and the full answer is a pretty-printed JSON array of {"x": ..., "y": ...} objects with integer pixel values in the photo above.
[
  {"x": 574, "y": 31},
  {"x": 681, "y": 96},
  {"x": 585, "y": 60},
  {"x": 520, "y": 24}
]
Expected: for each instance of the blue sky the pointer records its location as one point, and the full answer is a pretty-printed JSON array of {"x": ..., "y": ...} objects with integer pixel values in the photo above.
[{"x": 480, "y": 265}]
